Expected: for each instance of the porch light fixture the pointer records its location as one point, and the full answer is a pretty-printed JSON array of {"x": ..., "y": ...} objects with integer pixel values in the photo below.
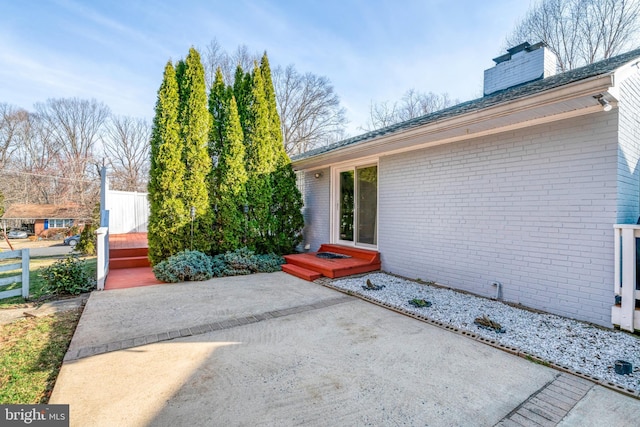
[
  {"x": 318, "y": 175},
  {"x": 605, "y": 104}
]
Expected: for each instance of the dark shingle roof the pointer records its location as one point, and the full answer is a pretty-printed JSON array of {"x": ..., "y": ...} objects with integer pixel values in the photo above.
[{"x": 599, "y": 68}]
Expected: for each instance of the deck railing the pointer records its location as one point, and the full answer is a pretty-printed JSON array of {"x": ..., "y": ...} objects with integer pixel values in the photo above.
[
  {"x": 624, "y": 313},
  {"x": 102, "y": 269}
]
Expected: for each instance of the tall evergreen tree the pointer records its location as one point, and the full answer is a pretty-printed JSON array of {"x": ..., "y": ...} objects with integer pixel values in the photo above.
[
  {"x": 231, "y": 179},
  {"x": 279, "y": 153},
  {"x": 180, "y": 67},
  {"x": 286, "y": 220},
  {"x": 195, "y": 120},
  {"x": 260, "y": 165},
  {"x": 218, "y": 109},
  {"x": 168, "y": 214},
  {"x": 242, "y": 92},
  {"x": 227, "y": 191},
  {"x": 274, "y": 215}
]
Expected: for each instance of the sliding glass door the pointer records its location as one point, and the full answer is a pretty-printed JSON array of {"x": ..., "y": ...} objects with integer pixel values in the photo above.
[{"x": 357, "y": 213}]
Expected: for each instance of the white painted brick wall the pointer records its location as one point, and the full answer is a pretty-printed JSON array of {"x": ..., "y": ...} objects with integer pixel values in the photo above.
[
  {"x": 532, "y": 209},
  {"x": 629, "y": 152},
  {"x": 316, "y": 209},
  {"x": 522, "y": 67}
]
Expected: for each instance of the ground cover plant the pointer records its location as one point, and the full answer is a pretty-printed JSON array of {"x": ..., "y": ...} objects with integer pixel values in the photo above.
[
  {"x": 184, "y": 266},
  {"x": 194, "y": 265}
]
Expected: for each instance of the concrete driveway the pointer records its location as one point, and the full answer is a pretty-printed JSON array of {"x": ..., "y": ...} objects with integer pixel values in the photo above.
[{"x": 274, "y": 350}]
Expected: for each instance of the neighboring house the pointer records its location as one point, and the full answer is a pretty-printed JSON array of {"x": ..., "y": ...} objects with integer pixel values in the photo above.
[
  {"x": 521, "y": 187},
  {"x": 45, "y": 220}
]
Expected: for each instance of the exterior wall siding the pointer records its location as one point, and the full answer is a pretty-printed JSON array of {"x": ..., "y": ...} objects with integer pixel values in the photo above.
[
  {"x": 629, "y": 151},
  {"x": 532, "y": 209},
  {"x": 317, "y": 206}
]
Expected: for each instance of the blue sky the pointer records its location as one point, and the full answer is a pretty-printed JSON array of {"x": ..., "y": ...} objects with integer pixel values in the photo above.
[{"x": 371, "y": 50}]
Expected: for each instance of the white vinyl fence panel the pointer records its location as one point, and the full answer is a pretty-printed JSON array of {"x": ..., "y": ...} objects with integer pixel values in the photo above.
[{"x": 128, "y": 212}]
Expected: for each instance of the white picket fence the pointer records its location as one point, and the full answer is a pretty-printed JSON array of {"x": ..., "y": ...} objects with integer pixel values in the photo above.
[
  {"x": 23, "y": 277},
  {"x": 624, "y": 313}
]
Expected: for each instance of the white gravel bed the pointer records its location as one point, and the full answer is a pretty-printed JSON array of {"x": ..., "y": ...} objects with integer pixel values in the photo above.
[{"x": 578, "y": 345}]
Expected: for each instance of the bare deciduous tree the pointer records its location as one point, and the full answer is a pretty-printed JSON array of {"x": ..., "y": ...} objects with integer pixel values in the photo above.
[
  {"x": 126, "y": 145},
  {"x": 215, "y": 56},
  {"x": 580, "y": 32},
  {"x": 12, "y": 120},
  {"x": 310, "y": 111},
  {"x": 309, "y": 108},
  {"x": 38, "y": 156},
  {"x": 413, "y": 104},
  {"x": 74, "y": 126}
]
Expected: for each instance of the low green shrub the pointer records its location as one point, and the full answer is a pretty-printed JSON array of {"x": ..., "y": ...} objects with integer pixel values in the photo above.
[
  {"x": 184, "y": 266},
  {"x": 269, "y": 263},
  {"x": 194, "y": 265},
  {"x": 67, "y": 276},
  {"x": 245, "y": 261},
  {"x": 241, "y": 261}
]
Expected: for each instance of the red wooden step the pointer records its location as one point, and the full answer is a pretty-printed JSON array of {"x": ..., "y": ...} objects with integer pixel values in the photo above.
[
  {"x": 360, "y": 261},
  {"x": 128, "y": 252},
  {"x": 301, "y": 272},
  {"x": 366, "y": 254},
  {"x": 129, "y": 262}
]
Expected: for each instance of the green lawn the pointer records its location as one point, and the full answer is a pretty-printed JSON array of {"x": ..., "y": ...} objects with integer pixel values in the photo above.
[
  {"x": 32, "y": 349},
  {"x": 31, "y": 353},
  {"x": 36, "y": 291}
]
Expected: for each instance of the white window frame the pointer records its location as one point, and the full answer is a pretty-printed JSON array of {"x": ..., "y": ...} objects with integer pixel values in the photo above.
[
  {"x": 335, "y": 201},
  {"x": 65, "y": 223}
]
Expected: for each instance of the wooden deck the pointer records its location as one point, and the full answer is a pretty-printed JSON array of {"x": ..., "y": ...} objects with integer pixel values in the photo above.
[
  {"x": 309, "y": 266},
  {"x": 128, "y": 241},
  {"x": 128, "y": 262}
]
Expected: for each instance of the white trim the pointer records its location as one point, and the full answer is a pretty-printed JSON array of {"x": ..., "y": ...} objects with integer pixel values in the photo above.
[
  {"x": 334, "y": 190},
  {"x": 571, "y": 100}
]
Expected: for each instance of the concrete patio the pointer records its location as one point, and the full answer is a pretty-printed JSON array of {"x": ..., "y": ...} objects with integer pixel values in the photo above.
[{"x": 271, "y": 349}]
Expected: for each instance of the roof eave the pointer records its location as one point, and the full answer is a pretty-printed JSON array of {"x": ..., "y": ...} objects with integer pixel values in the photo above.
[{"x": 469, "y": 125}]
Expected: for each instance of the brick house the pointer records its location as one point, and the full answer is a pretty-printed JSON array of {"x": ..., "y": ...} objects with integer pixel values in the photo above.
[
  {"x": 45, "y": 220},
  {"x": 519, "y": 189}
]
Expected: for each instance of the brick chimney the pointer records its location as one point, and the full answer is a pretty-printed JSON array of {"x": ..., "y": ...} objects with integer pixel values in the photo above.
[{"x": 523, "y": 63}]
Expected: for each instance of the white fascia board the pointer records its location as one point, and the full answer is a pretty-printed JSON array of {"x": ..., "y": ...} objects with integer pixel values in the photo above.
[
  {"x": 464, "y": 123},
  {"x": 619, "y": 76}
]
